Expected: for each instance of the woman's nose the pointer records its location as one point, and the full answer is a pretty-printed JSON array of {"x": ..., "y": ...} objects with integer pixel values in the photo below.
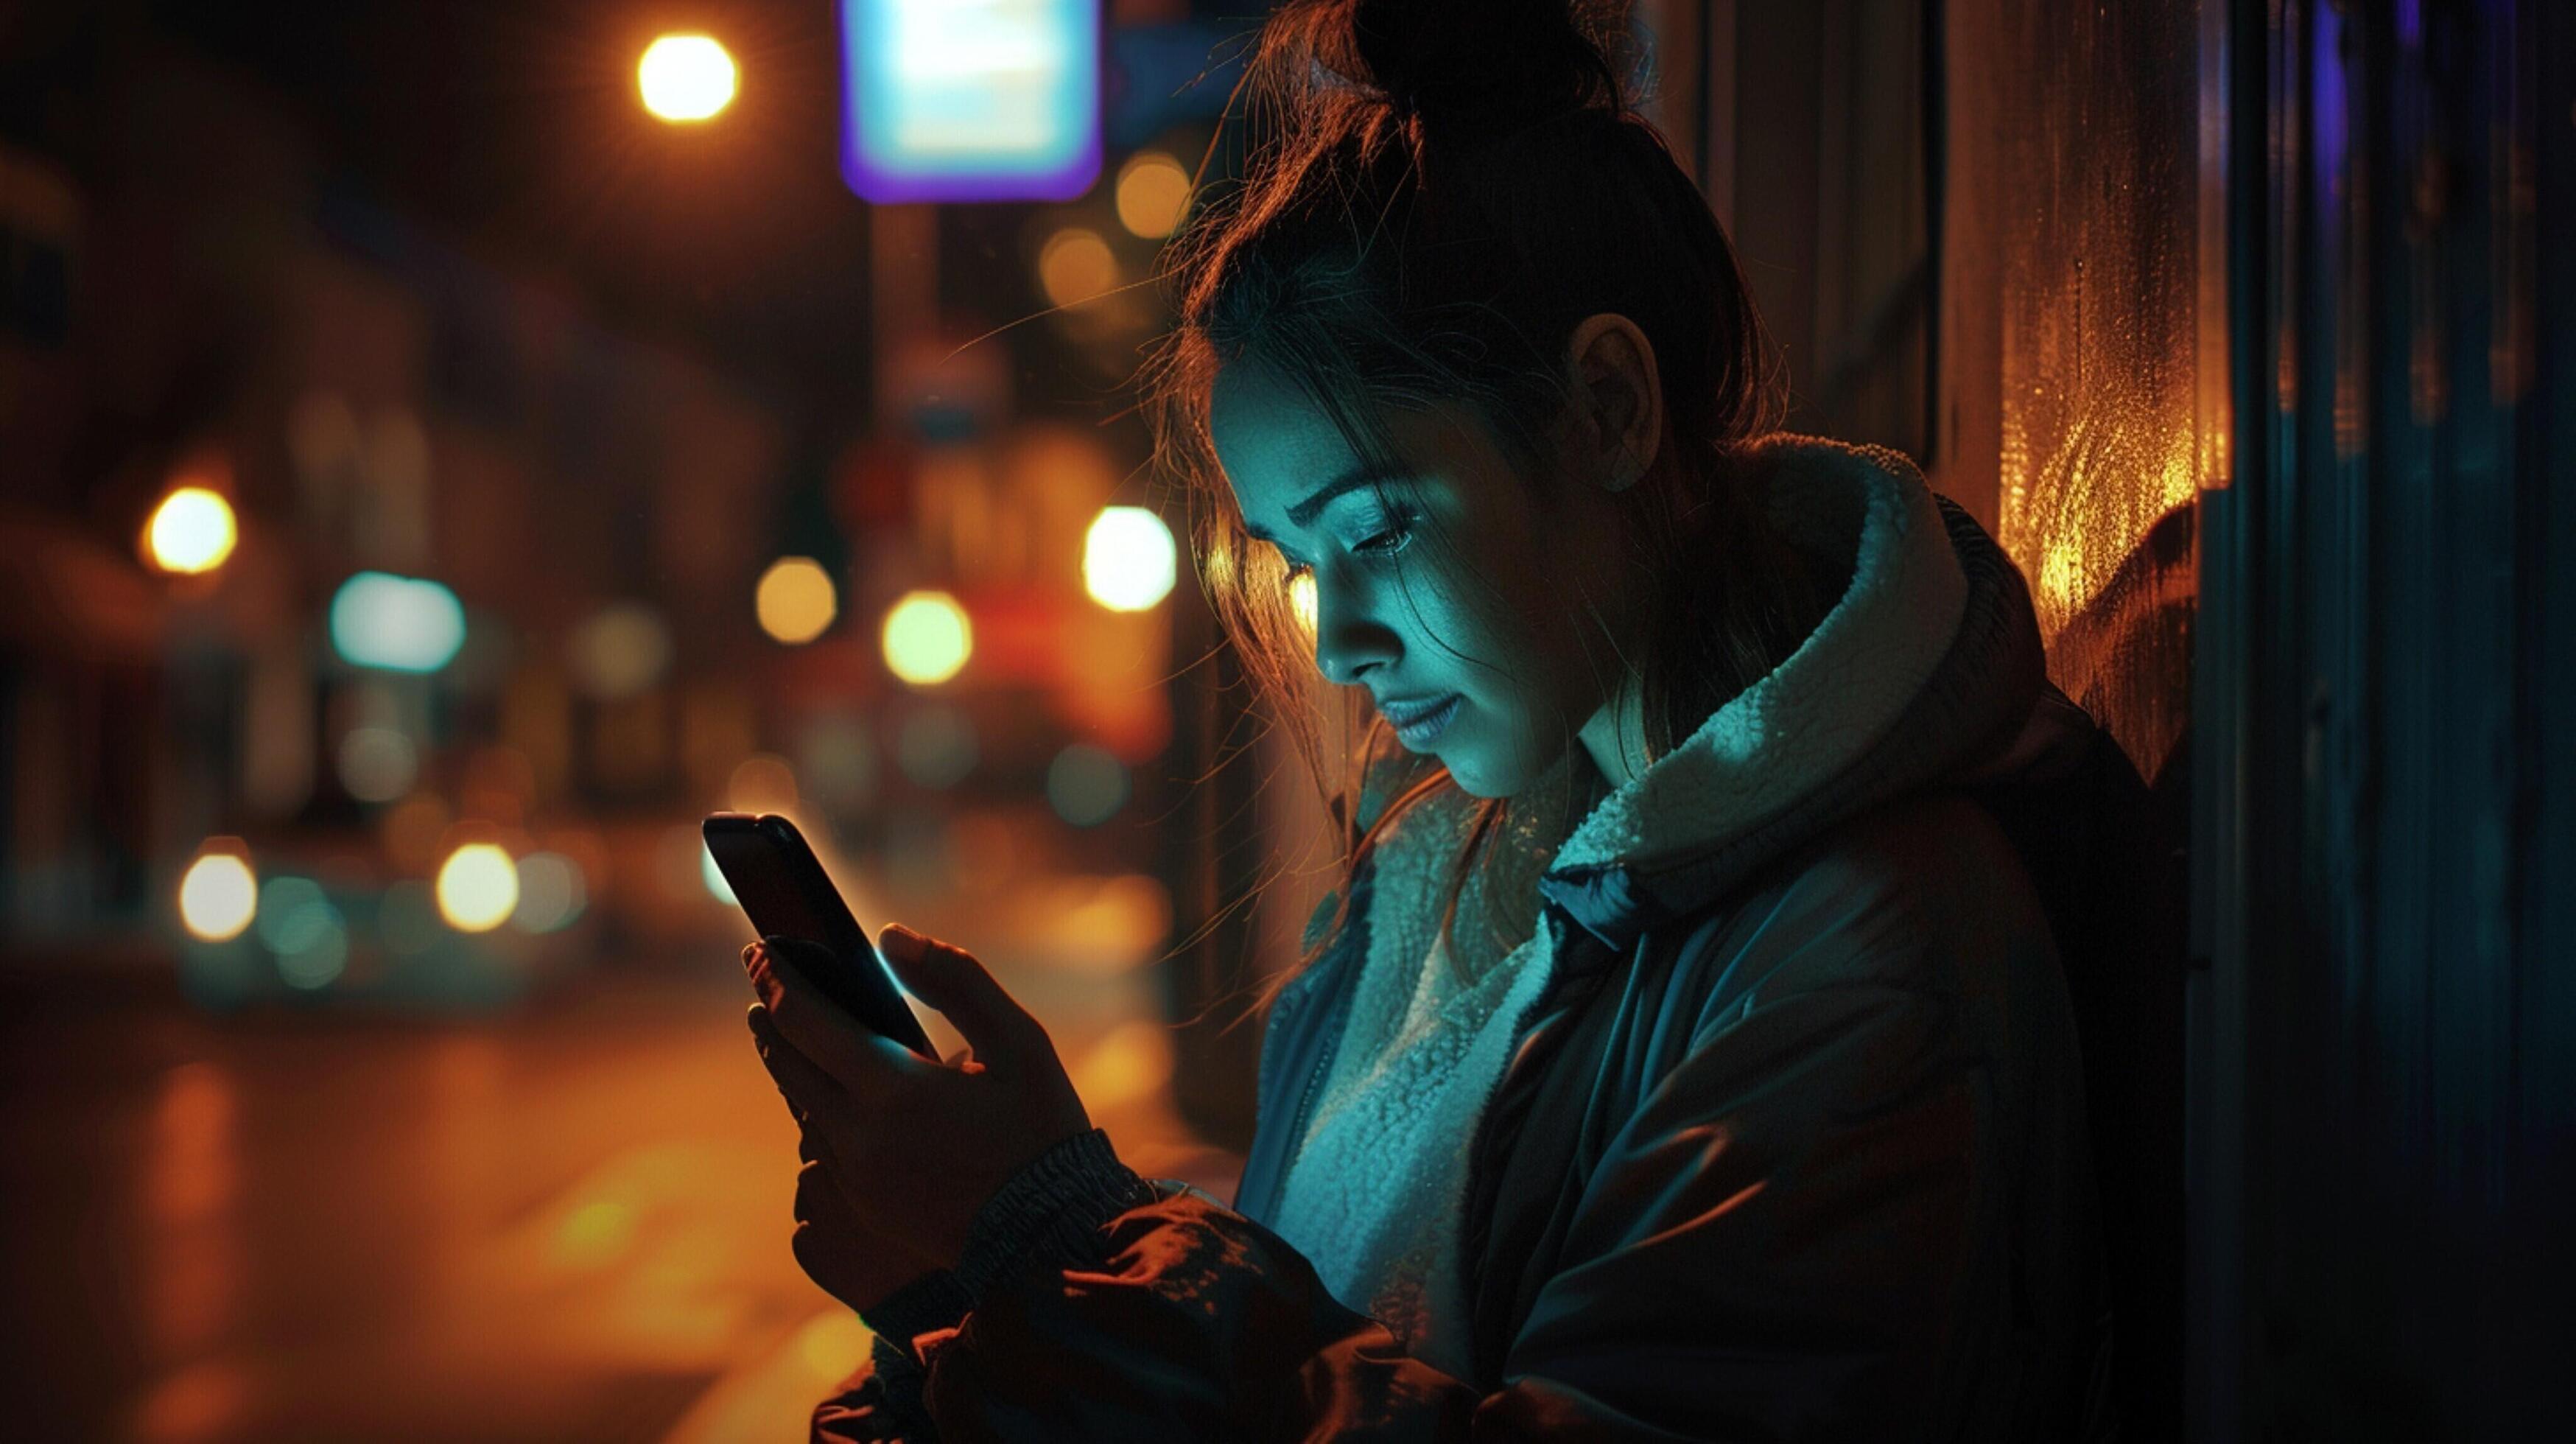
[{"x": 1348, "y": 644}]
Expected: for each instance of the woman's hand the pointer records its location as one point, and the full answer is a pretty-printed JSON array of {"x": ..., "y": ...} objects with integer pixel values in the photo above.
[
  {"x": 900, "y": 1151},
  {"x": 845, "y": 1254}
]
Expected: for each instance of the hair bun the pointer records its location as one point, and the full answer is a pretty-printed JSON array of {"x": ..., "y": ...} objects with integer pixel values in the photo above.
[{"x": 1471, "y": 62}]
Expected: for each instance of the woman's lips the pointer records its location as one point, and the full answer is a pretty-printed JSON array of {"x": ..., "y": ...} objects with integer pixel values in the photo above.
[
  {"x": 1408, "y": 712},
  {"x": 1425, "y": 727}
]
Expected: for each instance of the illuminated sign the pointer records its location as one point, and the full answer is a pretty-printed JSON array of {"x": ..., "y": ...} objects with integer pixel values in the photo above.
[{"x": 970, "y": 100}]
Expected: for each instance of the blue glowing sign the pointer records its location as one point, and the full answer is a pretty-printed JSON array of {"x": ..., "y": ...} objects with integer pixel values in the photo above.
[
  {"x": 970, "y": 100},
  {"x": 397, "y": 623}
]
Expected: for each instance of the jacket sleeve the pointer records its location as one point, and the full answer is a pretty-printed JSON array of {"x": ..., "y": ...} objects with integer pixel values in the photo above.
[{"x": 1767, "y": 1248}]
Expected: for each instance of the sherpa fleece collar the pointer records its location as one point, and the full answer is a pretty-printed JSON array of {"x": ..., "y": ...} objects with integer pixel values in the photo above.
[{"x": 1930, "y": 650}]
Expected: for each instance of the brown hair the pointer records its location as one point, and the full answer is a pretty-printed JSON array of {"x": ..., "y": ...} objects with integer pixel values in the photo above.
[{"x": 1435, "y": 192}]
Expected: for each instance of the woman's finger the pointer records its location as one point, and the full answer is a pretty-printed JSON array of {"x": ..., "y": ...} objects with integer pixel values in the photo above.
[
  {"x": 953, "y": 981},
  {"x": 820, "y": 1104}
]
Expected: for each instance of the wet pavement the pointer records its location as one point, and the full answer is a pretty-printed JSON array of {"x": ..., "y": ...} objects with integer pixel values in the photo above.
[{"x": 570, "y": 1223}]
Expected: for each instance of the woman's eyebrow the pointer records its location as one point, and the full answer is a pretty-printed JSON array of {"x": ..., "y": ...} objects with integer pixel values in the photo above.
[{"x": 1302, "y": 514}]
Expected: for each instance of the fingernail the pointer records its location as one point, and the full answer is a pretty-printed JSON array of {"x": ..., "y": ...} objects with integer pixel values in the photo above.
[{"x": 900, "y": 939}]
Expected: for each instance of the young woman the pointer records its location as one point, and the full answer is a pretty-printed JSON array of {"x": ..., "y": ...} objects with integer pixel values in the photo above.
[{"x": 1687, "y": 1056}]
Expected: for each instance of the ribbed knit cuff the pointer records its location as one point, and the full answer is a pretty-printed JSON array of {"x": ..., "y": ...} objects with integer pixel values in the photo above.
[{"x": 1052, "y": 1209}]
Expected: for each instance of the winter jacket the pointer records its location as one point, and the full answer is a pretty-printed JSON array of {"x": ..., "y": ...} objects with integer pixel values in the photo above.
[{"x": 1791, "y": 1143}]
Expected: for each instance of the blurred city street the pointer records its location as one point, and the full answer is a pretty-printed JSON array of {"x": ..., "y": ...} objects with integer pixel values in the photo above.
[
  {"x": 568, "y": 1223},
  {"x": 446, "y": 451}
]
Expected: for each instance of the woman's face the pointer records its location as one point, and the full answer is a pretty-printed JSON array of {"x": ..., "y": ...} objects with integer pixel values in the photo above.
[{"x": 1446, "y": 590}]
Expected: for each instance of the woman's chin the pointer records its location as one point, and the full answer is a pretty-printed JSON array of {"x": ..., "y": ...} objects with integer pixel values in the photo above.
[{"x": 1473, "y": 778}]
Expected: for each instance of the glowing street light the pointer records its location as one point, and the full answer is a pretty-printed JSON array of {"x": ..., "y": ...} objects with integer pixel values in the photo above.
[
  {"x": 191, "y": 531},
  {"x": 478, "y": 887},
  {"x": 686, "y": 78},
  {"x": 927, "y": 638},
  {"x": 1128, "y": 560},
  {"x": 795, "y": 600},
  {"x": 218, "y": 897}
]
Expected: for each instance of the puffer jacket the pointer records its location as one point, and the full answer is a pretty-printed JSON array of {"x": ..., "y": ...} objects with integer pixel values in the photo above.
[{"x": 1791, "y": 1143}]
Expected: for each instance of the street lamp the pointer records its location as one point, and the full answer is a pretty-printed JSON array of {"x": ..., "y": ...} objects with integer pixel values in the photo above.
[
  {"x": 191, "y": 531},
  {"x": 686, "y": 78},
  {"x": 1128, "y": 559},
  {"x": 795, "y": 600},
  {"x": 927, "y": 638},
  {"x": 478, "y": 887}
]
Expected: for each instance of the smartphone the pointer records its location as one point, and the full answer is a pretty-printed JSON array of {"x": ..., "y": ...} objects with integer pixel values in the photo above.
[{"x": 785, "y": 892}]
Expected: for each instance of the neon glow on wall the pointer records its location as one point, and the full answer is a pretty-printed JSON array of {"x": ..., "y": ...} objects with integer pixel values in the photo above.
[{"x": 970, "y": 100}]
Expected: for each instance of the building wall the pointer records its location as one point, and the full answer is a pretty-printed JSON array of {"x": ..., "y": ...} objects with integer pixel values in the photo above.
[{"x": 2385, "y": 1121}]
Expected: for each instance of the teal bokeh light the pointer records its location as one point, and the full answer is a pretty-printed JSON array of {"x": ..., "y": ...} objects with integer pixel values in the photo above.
[{"x": 400, "y": 624}]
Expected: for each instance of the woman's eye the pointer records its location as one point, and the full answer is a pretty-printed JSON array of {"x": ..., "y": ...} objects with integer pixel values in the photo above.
[{"x": 1387, "y": 540}]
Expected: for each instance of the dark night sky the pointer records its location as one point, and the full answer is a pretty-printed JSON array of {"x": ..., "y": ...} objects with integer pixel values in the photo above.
[{"x": 511, "y": 131}]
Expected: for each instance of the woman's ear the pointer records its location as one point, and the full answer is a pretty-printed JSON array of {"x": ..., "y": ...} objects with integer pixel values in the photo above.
[{"x": 1618, "y": 399}]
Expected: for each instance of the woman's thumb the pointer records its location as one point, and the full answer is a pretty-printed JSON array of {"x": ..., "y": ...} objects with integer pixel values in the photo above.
[{"x": 951, "y": 980}]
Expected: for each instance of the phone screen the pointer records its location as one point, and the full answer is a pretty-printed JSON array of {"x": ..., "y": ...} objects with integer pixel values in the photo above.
[{"x": 785, "y": 892}]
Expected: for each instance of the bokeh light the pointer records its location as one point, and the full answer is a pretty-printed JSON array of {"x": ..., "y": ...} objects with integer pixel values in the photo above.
[
  {"x": 1301, "y": 602},
  {"x": 378, "y": 764},
  {"x": 478, "y": 887},
  {"x": 595, "y": 1234},
  {"x": 936, "y": 748},
  {"x": 619, "y": 651},
  {"x": 397, "y": 623},
  {"x": 551, "y": 893},
  {"x": 321, "y": 954},
  {"x": 1086, "y": 785},
  {"x": 839, "y": 761},
  {"x": 832, "y": 1344},
  {"x": 1153, "y": 193},
  {"x": 298, "y": 923},
  {"x": 686, "y": 77},
  {"x": 287, "y": 907},
  {"x": 1076, "y": 265},
  {"x": 1133, "y": 1062},
  {"x": 191, "y": 531},
  {"x": 796, "y": 600},
  {"x": 762, "y": 782},
  {"x": 927, "y": 638},
  {"x": 218, "y": 897},
  {"x": 1128, "y": 559}
]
